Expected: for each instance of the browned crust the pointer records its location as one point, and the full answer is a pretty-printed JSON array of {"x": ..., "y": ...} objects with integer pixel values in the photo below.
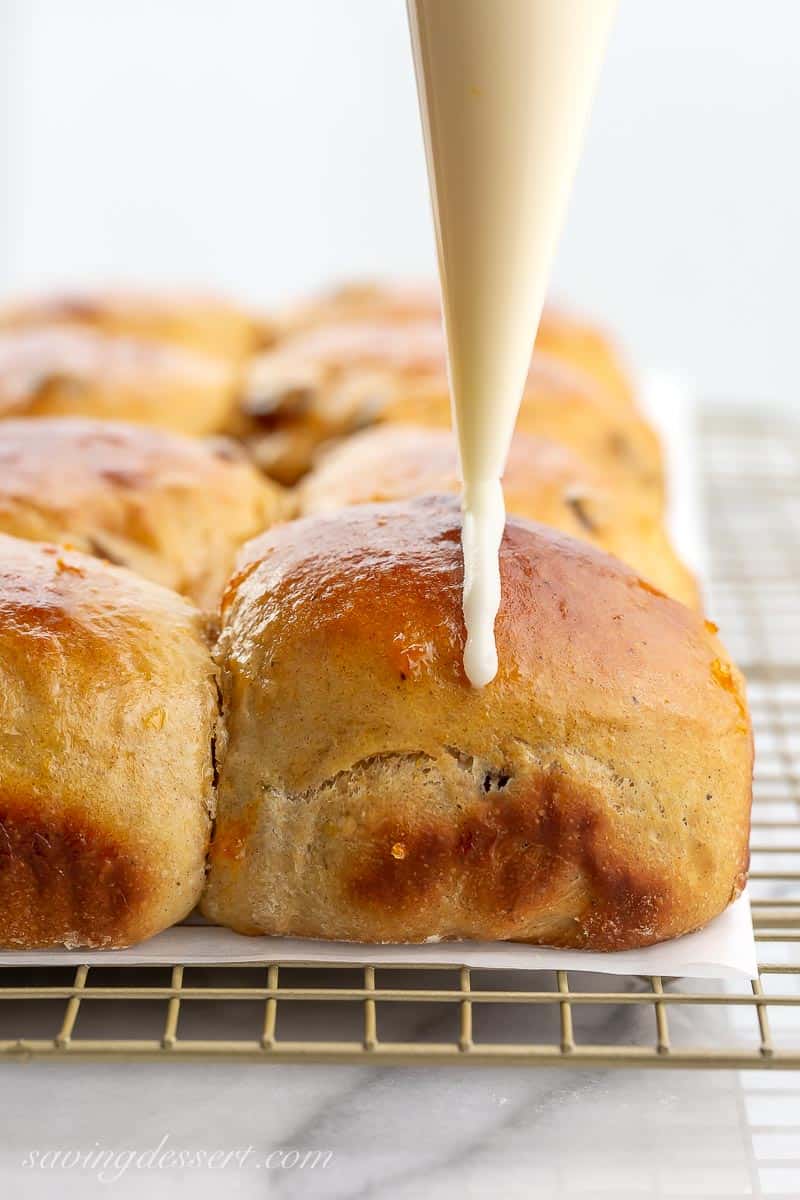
[
  {"x": 510, "y": 855},
  {"x": 65, "y": 880},
  {"x": 326, "y": 380}
]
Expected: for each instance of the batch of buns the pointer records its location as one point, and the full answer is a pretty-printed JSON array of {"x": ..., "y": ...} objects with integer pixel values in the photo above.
[{"x": 231, "y": 641}]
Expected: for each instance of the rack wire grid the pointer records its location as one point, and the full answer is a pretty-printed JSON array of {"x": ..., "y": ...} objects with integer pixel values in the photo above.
[{"x": 274, "y": 1012}]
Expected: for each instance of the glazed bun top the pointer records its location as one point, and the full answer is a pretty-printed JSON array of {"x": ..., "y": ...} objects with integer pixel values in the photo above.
[
  {"x": 561, "y": 405},
  {"x": 366, "y": 602},
  {"x": 58, "y": 370},
  {"x": 544, "y": 482},
  {"x": 193, "y": 319},
  {"x": 565, "y": 336},
  {"x": 175, "y": 509},
  {"x": 405, "y": 348},
  {"x": 329, "y": 380}
]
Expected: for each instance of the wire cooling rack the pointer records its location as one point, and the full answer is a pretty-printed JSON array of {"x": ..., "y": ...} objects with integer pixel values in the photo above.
[{"x": 272, "y": 1012}]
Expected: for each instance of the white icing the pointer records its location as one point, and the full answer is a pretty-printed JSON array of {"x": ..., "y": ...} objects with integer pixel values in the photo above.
[{"x": 505, "y": 91}]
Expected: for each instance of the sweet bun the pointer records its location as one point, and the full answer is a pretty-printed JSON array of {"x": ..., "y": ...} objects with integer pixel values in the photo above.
[
  {"x": 558, "y": 405},
  {"x": 596, "y": 794},
  {"x": 327, "y": 381},
  {"x": 59, "y": 370},
  {"x": 572, "y": 339},
  {"x": 363, "y": 300},
  {"x": 106, "y": 768},
  {"x": 587, "y": 347},
  {"x": 567, "y": 337},
  {"x": 544, "y": 482},
  {"x": 172, "y": 508},
  {"x": 192, "y": 319}
]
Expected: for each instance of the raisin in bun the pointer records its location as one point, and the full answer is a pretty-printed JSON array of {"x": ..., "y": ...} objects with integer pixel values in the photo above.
[
  {"x": 198, "y": 321},
  {"x": 57, "y": 370},
  {"x": 172, "y": 508},
  {"x": 106, "y": 775},
  {"x": 326, "y": 382},
  {"x": 562, "y": 334},
  {"x": 544, "y": 482},
  {"x": 596, "y": 794}
]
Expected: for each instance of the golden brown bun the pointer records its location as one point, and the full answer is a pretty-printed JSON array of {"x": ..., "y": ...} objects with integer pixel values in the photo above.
[
  {"x": 192, "y": 319},
  {"x": 172, "y": 508},
  {"x": 58, "y": 370},
  {"x": 106, "y": 775},
  {"x": 579, "y": 342},
  {"x": 596, "y": 794},
  {"x": 561, "y": 334},
  {"x": 363, "y": 300},
  {"x": 557, "y": 405},
  {"x": 544, "y": 482},
  {"x": 328, "y": 381}
]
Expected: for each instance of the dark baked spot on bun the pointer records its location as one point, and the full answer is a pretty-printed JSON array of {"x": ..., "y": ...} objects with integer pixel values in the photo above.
[
  {"x": 512, "y": 857},
  {"x": 64, "y": 879}
]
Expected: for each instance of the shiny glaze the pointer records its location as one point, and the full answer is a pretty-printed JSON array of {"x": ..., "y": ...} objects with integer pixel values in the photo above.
[
  {"x": 543, "y": 481},
  {"x": 198, "y": 321},
  {"x": 560, "y": 334},
  {"x": 54, "y": 370},
  {"x": 172, "y": 508},
  {"x": 395, "y": 570}
]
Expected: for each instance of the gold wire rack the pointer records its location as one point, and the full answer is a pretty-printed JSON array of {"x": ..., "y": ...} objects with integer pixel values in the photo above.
[{"x": 273, "y": 1012}]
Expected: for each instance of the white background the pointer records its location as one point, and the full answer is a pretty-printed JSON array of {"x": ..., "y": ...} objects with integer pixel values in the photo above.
[{"x": 267, "y": 145}]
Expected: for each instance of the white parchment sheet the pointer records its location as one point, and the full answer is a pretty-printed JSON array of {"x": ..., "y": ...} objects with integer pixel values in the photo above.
[{"x": 725, "y": 949}]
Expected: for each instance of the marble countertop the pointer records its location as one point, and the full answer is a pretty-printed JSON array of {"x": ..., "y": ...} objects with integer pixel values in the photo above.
[{"x": 398, "y": 1133}]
